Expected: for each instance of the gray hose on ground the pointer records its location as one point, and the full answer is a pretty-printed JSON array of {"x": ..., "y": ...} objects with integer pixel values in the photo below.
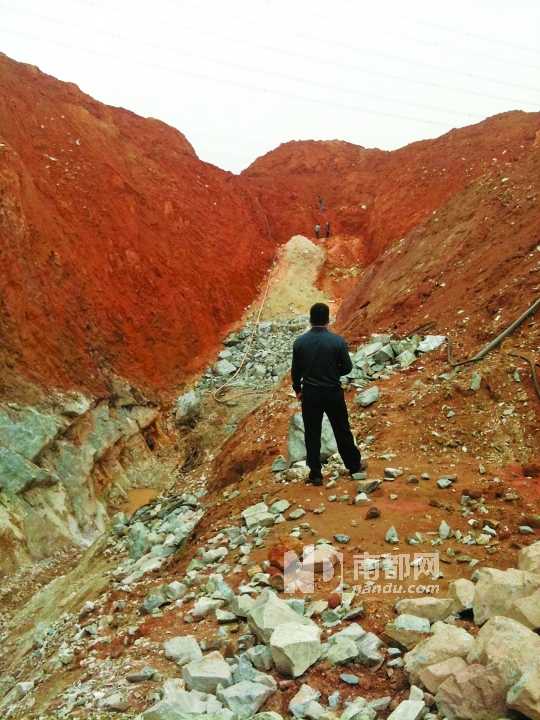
[
  {"x": 496, "y": 341},
  {"x": 420, "y": 330},
  {"x": 218, "y": 394}
]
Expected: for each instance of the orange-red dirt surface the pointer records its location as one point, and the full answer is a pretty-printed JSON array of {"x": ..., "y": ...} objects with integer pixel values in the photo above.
[
  {"x": 471, "y": 268},
  {"x": 377, "y": 196},
  {"x": 121, "y": 253}
]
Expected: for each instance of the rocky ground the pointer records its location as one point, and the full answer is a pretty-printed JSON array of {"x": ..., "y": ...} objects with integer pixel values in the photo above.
[
  {"x": 163, "y": 559},
  {"x": 418, "y": 598}
]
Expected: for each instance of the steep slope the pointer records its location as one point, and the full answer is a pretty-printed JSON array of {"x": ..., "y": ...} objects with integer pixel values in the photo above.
[
  {"x": 472, "y": 268},
  {"x": 380, "y": 196},
  {"x": 120, "y": 251},
  {"x": 123, "y": 254}
]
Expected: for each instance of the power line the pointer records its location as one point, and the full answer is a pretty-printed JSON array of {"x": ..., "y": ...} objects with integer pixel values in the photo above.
[
  {"x": 361, "y": 68},
  {"x": 410, "y": 61},
  {"x": 371, "y": 71},
  {"x": 352, "y": 4},
  {"x": 203, "y": 76},
  {"x": 400, "y": 59},
  {"x": 325, "y": 86},
  {"x": 477, "y": 36},
  {"x": 457, "y": 30},
  {"x": 505, "y": 61},
  {"x": 442, "y": 68},
  {"x": 281, "y": 75}
]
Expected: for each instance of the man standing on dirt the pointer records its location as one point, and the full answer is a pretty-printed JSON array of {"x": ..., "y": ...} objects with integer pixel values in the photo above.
[
  {"x": 320, "y": 359},
  {"x": 317, "y": 231},
  {"x": 327, "y": 230}
]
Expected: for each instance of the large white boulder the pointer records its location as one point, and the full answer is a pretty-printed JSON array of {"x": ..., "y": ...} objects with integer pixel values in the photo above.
[
  {"x": 188, "y": 407},
  {"x": 245, "y": 697},
  {"x": 529, "y": 558},
  {"x": 240, "y": 605},
  {"x": 431, "y": 342},
  {"x": 474, "y": 693},
  {"x": 260, "y": 657},
  {"x": 447, "y": 641},
  {"x": 526, "y": 610},
  {"x": 302, "y": 699},
  {"x": 258, "y": 516},
  {"x": 358, "y": 709},
  {"x": 496, "y": 590},
  {"x": 369, "y": 649},
  {"x": 408, "y": 630},
  {"x": 431, "y": 608},
  {"x": 461, "y": 592},
  {"x": 182, "y": 649},
  {"x": 367, "y": 397},
  {"x": 524, "y": 696},
  {"x": 408, "y": 710},
  {"x": 205, "y": 606},
  {"x": 354, "y": 631},
  {"x": 224, "y": 368},
  {"x": 296, "y": 445},
  {"x": 269, "y": 611},
  {"x": 295, "y": 648},
  {"x": 206, "y": 674},
  {"x": 433, "y": 676},
  {"x": 508, "y": 646},
  {"x": 341, "y": 651},
  {"x": 178, "y": 702}
]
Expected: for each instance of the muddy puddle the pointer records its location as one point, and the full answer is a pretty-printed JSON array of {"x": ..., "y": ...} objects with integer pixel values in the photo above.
[{"x": 137, "y": 497}]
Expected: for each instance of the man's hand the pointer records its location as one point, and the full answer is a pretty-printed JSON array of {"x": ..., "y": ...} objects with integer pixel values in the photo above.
[{"x": 299, "y": 396}]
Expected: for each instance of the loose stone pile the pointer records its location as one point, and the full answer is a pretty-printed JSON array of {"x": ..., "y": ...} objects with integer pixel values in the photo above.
[
  {"x": 274, "y": 641},
  {"x": 267, "y": 350},
  {"x": 154, "y": 533},
  {"x": 149, "y": 538},
  {"x": 384, "y": 355},
  {"x": 453, "y": 673},
  {"x": 279, "y": 636},
  {"x": 487, "y": 675}
]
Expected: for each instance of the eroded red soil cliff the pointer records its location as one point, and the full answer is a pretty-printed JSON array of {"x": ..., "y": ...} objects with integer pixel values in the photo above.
[
  {"x": 120, "y": 251},
  {"x": 471, "y": 269},
  {"x": 379, "y": 196}
]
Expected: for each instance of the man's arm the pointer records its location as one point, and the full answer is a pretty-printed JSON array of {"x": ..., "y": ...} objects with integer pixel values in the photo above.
[
  {"x": 345, "y": 363},
  {"x": 296, "y": 371}
]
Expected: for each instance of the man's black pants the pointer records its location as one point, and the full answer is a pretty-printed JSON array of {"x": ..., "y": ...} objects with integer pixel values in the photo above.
[{"x": 317, "y": 401}]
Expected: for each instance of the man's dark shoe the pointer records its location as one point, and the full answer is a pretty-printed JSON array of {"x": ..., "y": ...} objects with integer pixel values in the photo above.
[
  {"x": 314, "y": 480},
  {"x": 361, "y": 468}
]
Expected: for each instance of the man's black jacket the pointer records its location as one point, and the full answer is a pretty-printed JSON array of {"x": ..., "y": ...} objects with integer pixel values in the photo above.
[{"x": 320, "y": 358}]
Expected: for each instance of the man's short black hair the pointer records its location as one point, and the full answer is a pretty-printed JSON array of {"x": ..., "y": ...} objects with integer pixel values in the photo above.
[{"x": 319, "y": 314}]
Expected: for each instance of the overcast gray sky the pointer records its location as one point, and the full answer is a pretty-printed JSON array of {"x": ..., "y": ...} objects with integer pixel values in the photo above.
[{"x": 239, "y": 77}]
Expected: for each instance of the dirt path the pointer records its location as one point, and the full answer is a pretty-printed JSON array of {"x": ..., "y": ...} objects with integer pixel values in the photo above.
[
  {"x": 422, "y": 424},
  {"x": 293, "y": 281},
  {"x": 289, "y": 290}
]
